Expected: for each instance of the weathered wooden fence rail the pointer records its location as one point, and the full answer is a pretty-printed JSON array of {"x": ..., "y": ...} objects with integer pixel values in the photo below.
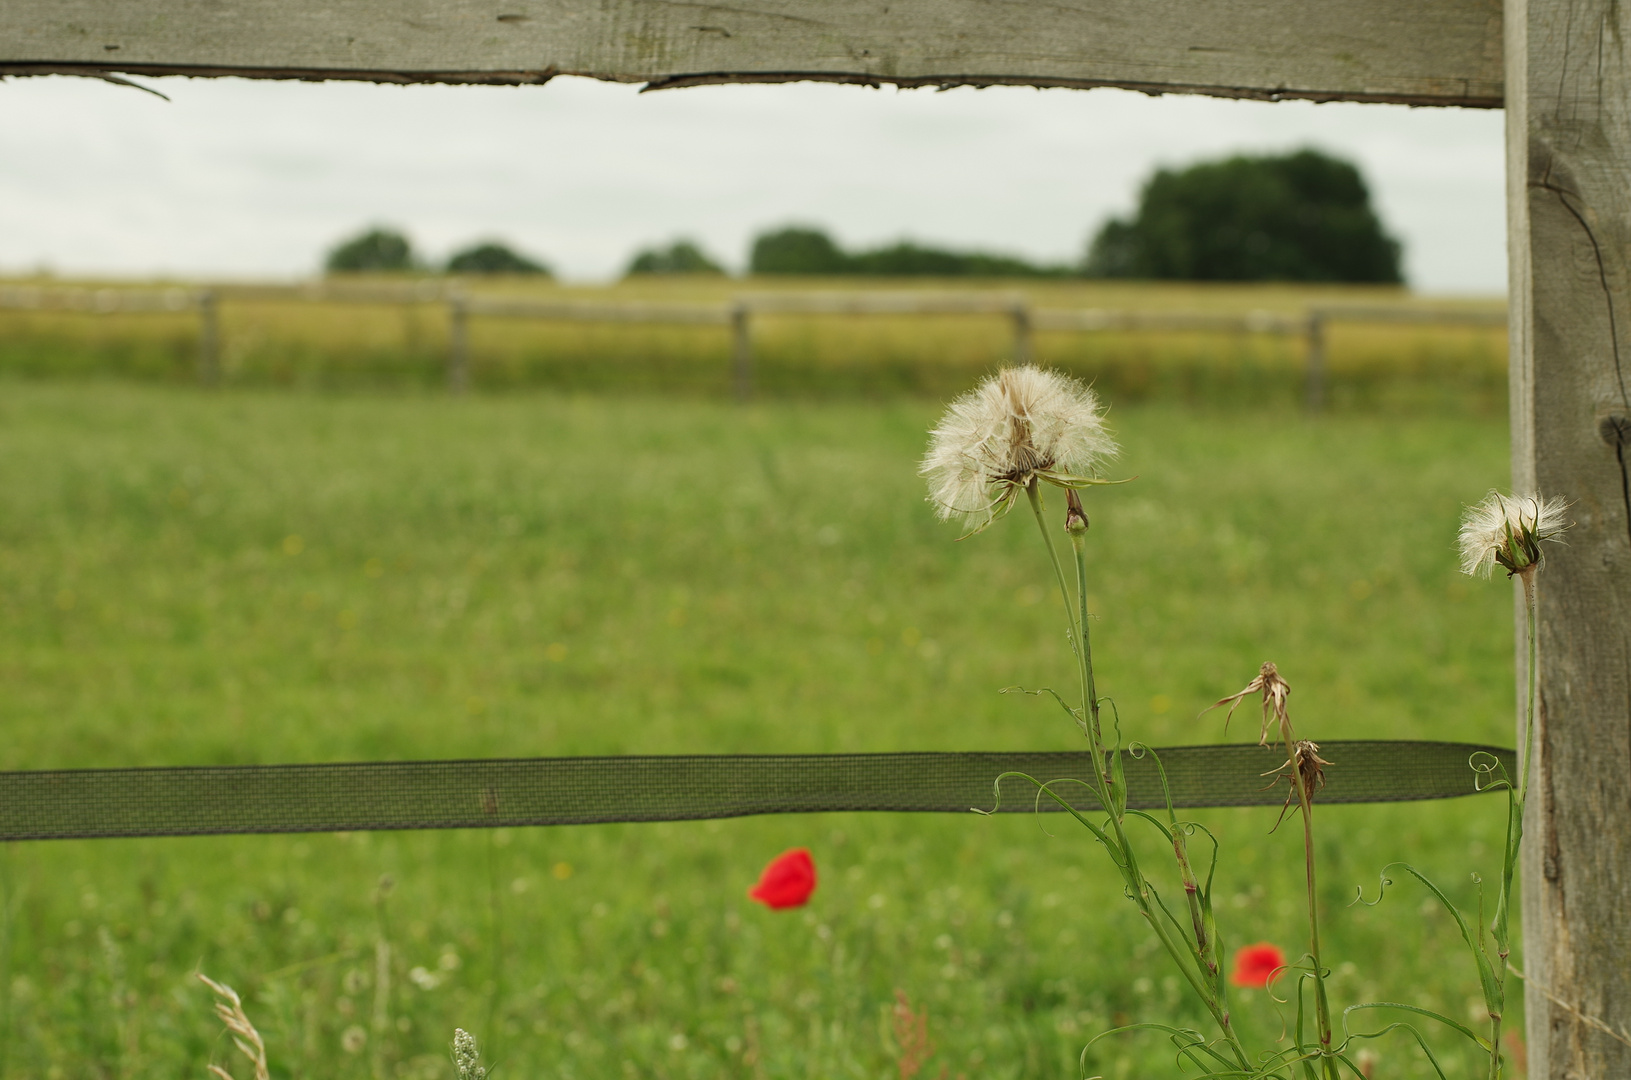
[{"x": 738, "y": 314}]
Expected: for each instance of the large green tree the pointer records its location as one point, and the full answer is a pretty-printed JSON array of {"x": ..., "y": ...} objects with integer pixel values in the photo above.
[
  {"x": 797, "y": 249},
  {"x": 805, "y": 250},
  {"x": 679, "y": 257},
  {"x": 1304, "y": 216},
  {"x": 493, "y": 257},
  {"x": 378, "y": 248},
  {"x": 906, "y": 259}
]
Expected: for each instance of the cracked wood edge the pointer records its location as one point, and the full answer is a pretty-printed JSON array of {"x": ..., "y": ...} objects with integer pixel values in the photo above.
[
  {"x": 1568, "y": 138},
  {"x": 1438, "y": 52}
]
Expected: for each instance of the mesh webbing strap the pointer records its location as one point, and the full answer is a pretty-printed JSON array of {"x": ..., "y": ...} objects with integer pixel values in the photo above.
[{"x": 195, "y": 801}]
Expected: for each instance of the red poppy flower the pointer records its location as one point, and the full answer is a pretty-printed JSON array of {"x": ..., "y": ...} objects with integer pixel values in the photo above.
[
  {"x": 787, "y": 882},
  {"x": 1256, "y": 965}
]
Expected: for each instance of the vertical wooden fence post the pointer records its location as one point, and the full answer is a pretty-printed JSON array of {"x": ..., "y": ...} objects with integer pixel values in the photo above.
[
  {"x": 1568, "y": 117},
  {"x": 741, "y": 351},
  {"x": 1021, "y": 315},
  {"x": 209, "y": 338},
  {"x": 458, "y": 344},
  {"x": 1314, "y": 385}
]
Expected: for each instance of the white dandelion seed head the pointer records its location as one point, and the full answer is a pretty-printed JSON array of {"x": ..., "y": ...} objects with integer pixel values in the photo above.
[
  {"x": 1507, "y": 531},
  {"x": 1021, "y": 424}
]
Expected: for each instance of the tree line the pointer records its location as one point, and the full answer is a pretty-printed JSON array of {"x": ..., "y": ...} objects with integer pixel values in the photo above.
[{"x": 1302, "y": 216}]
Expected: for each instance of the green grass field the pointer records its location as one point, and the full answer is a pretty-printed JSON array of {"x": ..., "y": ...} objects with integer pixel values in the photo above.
[
  {"x": 1436, "y": 368},
  {"x": 258, "y": 576}
]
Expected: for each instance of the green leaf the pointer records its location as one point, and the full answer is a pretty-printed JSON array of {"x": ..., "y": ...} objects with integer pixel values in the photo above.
[
  {"x": 1483, "y": 1044},
  {"x": 1493, "y": 985},
  {"x": 1118, "y": 785},
  {"x": 1421, "y": 1042}
]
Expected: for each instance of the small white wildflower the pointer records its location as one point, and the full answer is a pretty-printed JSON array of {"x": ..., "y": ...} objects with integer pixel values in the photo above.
[
  {"x": 467, "y": 1056},
  {"x": 1021, "y": 425},
  {"x": 1508, "y": 530}
]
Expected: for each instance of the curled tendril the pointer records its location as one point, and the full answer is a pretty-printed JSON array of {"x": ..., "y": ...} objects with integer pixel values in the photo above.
[
  {"x": 1137, "y": 750},
  {"x": 1489, "y": 772},
  {"x": 1381, "y": 890},
  {"x": 1047, "y": 789},
  {"x": 1115, "y": 717},
  {"x": 1430, "y": 1014},
  {"x": 1389, "y": 1029},
  {"x": 1074, "y": 713},
  {"x": 1189, "y": 1043},
  {"x": 1153, "y": 820}
]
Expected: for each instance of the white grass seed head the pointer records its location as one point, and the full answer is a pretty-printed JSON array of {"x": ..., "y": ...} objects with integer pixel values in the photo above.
[
  {"x": 1020, "y": 425},
  {"x": 467, "y": 1056},
  {"x": 1507, "y": 530}
]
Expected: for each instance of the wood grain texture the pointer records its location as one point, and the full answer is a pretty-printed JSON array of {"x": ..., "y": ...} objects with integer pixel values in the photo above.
[
  {"x": 1430, "y": 52},
  {"x": 1569, "y": 142}
]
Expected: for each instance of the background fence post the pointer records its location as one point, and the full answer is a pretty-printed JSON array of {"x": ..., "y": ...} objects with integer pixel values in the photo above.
[
  {"x": 1021, "y": 314},
  {"x": 741, "y": 351},
  {"x": 458, "y": 344},
  {"x": 209, "y": 338},
  {"x": 1314, "y": 386}
]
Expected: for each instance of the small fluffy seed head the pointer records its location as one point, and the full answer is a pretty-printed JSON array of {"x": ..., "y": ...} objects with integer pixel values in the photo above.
[
  {"x": 1020, "y": 425},
  {"x": 1507, "y": 530}
]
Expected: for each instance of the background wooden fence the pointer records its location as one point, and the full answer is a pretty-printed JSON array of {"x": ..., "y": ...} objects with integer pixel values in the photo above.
[{"x": 1311, "y": 325}]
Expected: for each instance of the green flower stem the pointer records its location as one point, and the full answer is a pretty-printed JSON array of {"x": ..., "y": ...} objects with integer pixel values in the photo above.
[
  {"x": 1090, "y": 690},
  {"x": 1205, "y": 946},
  {"x": 1531, "y": 697},
  {"x": 1122, "y": 850},
  {"x": 1502, "y": 928},
  {"x": 1322, "y": 1005},
  {"x": 1035, "y": 496}
]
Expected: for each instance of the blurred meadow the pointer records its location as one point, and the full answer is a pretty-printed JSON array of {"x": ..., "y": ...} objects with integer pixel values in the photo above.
[
  {"x": 255, "y": 575},
  {"x": 405, "y": 346}
]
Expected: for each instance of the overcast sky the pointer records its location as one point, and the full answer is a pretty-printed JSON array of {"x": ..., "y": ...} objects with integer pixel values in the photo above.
[{"x": 245, "y": 178}]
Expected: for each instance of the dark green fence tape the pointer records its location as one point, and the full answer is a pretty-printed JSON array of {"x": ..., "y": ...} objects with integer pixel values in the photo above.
[{"x": 207, "y": 800}]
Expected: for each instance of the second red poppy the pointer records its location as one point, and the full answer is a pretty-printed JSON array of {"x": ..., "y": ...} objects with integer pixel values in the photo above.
[
  {"x": 1256, "y": 965},
  {"x": 787, "y": 882}
]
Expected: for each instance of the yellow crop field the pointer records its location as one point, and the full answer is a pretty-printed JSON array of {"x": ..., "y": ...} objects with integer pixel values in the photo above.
[{"x": 314, "y": 344}]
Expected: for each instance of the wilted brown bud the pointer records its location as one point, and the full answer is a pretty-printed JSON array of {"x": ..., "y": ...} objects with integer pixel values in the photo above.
[
  {"x": 1075, "y": 516},
  {"x": 1305, "y": 755},
  {"x": 1275, "y": 691},
  {"x": 1304, "y": 771}
]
